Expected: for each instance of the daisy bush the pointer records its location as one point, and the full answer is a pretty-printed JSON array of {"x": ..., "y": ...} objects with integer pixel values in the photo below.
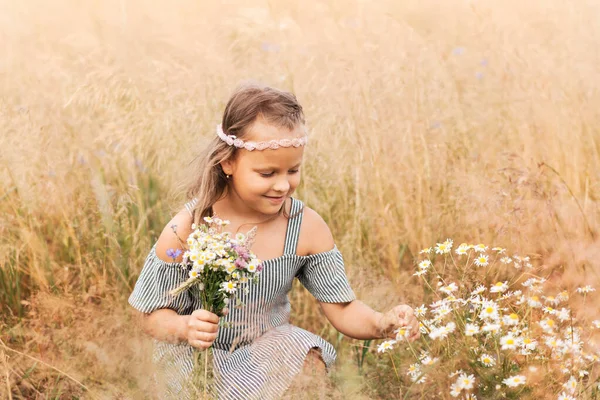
[{"x": 492, "y": 327}]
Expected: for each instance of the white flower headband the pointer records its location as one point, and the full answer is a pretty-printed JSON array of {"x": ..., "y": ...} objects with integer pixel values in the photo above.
[{"x": 232, "y": 140}]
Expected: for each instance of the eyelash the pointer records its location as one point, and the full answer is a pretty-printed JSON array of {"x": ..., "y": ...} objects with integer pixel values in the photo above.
[{"x": 270, "y": 174}]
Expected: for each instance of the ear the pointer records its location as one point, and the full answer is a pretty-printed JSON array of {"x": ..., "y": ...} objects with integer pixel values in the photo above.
[{"x": 227, "y": 166}]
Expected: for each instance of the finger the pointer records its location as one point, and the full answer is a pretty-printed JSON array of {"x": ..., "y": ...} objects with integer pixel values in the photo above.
[
  {"x": 204, "y": 336},
  {"x": 200, "y": 344},
  {"x": 205, "y": 315},
  {"x": 203, "y": 326},
  {"x": 406, "y": 311}
]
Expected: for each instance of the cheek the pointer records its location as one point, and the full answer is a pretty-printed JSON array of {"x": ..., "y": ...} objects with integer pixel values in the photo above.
[{"x": 294, "y": 181}]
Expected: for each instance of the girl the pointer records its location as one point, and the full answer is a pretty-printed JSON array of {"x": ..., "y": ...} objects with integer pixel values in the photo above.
[{"x": 247, "y": 175}]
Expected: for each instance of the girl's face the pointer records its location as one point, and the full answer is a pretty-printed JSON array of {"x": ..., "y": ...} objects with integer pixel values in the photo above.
[{"x": 264, "y": 179}]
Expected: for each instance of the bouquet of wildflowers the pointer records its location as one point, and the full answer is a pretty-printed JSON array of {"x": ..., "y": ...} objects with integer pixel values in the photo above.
[
  {"x": 493, "y": 329},
  {"x": 218, "y": 264}
]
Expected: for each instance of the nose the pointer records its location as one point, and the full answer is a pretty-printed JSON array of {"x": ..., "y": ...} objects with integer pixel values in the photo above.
[{"x": 282, "y": 185}]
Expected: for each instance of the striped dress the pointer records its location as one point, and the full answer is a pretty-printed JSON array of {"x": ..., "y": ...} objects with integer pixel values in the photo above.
[{"x": 260, "y": 354}]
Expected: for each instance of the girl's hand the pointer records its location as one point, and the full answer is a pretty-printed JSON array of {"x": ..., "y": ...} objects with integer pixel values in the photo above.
[
  {"x": 401, "y": 316},
  {"x": 201, "y": 329}
]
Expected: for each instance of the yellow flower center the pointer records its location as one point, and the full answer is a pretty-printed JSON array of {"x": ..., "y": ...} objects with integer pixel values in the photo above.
[
  {"x": 489, "y": 310},
  {"x": 510, "y": 341},
  {"x": 513, "y": 316}
]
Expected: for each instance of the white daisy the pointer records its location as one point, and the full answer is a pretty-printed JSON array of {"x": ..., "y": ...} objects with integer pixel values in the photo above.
[
  {"x": 229, "y": 286},
  {"x": 499, "y": 287},
  {"x": 482, "y": 260},
  {"x": 465, "y": 381},
  {"x": 571, "y": 384},
  {"x": 386, "y": 345},
  {"x": 443, "y": 331},
  {"x": 548, "y": 324},
  {"x": 514, "y": 381},
  {"x": 511, "y": 319},
  {"x": 549, "y": 310},
  {"x": 420, "y": 311},
  {"x": 585, "y": 289},
  {"x": 552, "y": 300},
  {"x": 490, "y": 327},
  {"x": 455, "y": 390},
  {"x": 534, "y": 302},
  {"x": 402, "y": 333},
  {"x": 425, "y": 264},
  {"x": 462, "y": 249},
  {"x": 528, "y": 343},
  {"x": 478, "y": 290},
  {"x": 449, "y": 289},
  {"x": 487, "y": 360},
  {"x": 508, "y": 342},
  {"x": 489, "y": 310},
  {"x": 564, "y": 314},
  {"x": 443, "y": 248},
  {"x": 480, "y": 248},
  {"x": 471, "y": 329},
  {"x": 563, "y": 296},
  {"x": 505, "y": 260}
]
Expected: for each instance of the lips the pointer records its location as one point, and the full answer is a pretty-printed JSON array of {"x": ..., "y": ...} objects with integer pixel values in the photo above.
[{"x": 275, "y": 199}]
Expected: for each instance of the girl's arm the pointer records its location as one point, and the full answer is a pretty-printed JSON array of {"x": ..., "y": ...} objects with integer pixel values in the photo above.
[
  {"x": 199, "y": 329},
  {"x": 354, "y": 319},
  {"x": 359, "y": 321},
  {"x": 165, "y": 325}
]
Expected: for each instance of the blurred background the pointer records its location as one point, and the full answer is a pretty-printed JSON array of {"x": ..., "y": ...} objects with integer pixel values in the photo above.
[{"x": 472, "y": 120}]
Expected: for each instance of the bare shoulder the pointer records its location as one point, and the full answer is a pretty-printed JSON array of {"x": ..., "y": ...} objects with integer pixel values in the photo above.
[
  {"x": 182, "y": 223},
  {"x": 315, "y": 235}
]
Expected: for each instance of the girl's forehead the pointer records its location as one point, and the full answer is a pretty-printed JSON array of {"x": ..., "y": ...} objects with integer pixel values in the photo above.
[{"x": 261, "y": 130}]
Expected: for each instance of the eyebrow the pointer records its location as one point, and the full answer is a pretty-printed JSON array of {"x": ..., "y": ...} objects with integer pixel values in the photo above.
[{"x": 274, "y": 168}]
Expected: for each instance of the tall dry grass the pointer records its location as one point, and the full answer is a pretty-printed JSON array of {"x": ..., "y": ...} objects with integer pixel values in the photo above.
[{"x": 475, "y": 120}]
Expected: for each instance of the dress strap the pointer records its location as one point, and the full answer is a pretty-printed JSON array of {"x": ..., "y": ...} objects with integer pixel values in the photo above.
[
  {"x": 189, "y": 206},
  {"x": 293, "y": 227}
]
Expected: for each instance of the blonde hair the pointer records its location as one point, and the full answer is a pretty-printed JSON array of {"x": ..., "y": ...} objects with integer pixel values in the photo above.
[{"x": 246, "y": 104}]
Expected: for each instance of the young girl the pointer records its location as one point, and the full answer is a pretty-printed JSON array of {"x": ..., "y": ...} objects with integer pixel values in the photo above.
[{"x": 247, "y": 175}]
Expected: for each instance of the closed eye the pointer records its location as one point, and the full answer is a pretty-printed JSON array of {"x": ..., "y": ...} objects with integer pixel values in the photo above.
[{"x": 270, "y": 174}]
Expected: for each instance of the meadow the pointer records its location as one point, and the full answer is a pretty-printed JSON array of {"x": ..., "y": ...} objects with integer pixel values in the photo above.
[{"x": 472, "y": 120}]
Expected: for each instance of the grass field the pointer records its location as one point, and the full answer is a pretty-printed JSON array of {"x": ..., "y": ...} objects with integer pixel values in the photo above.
[{"x": 475, "y": 120}]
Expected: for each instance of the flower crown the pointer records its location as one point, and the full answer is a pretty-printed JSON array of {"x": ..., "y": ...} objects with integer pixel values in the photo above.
[{"x": 232, "y": 140}]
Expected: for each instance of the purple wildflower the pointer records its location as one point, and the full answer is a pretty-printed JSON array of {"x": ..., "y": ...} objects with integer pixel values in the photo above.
[
  {"x": 242, "y": 252},
  {"x": 259, "y": 267},
  {"x": 240, "y": 263},
  {"x": 173, "y": 253}
]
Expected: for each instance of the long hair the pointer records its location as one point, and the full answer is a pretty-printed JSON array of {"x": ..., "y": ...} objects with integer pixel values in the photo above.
[{"x": 246, "y": 104}]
